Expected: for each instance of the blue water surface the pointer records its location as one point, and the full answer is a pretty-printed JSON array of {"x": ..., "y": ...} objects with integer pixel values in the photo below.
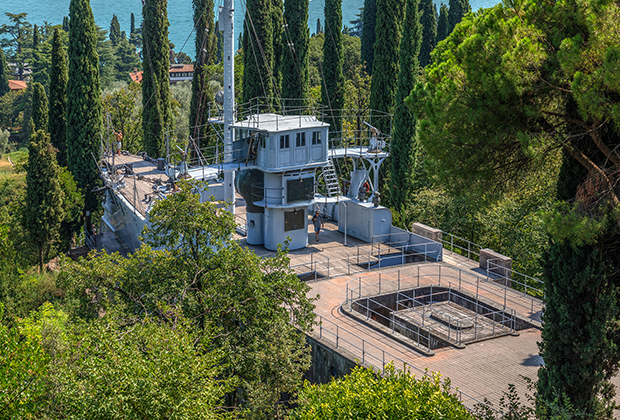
[{"x": 179, "y": 14}]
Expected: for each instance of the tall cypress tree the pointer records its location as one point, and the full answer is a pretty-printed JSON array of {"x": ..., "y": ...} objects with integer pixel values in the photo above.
[
  {"x": 205, "y": 52},
  {"x": 4, "y": 75},
  {"x": 65, "y": 24},
  {"x": 368, "y": 34},
  {"x": 258, "y": 54},
  {"x": 39, "y": 107},
  {"x": 156, "y": 112},
  {"x": 84, "y": 120},
  {"x": 277, "y": 11},
  {"x": 132, "y": 27},
  {"x": 403, "y": 139},
  {"x": 332, "y": 86},
  {"x": 429, "y": 31},
  {"x": 390, "y": 14},
  {"x": 443, "y": 25},
  {"x": 115, "y": 31},
  {"x": 43, "y": 212},
  {"x": 296, "y": 41},
  {"x": 458, "y": 9},
  {"x": 58, "y": 99}
]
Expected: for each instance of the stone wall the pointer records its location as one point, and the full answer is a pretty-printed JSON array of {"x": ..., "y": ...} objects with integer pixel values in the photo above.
[{"x": 327, "y": 361}]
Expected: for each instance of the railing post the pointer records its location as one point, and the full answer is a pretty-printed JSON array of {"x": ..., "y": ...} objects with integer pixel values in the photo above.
[
  {"x": 369, "y": 252},
  {"x": 418, "y": 276},
  {"x": 399, "y": 280},
  {"x": 348, "y": 266},
  {"x": 328, "y": 268},
  {"x": 337, "y": 335},
  {"x": 440, "y": 275},
  {"x": 320, "y": 327},
  {"x": 379, "y": 283},
  {"x": 460, "y": 272},
  {"x": 363, "y": 351},
  {"x": 359, "y": 286},
  {"x": 383, "y": 360}
]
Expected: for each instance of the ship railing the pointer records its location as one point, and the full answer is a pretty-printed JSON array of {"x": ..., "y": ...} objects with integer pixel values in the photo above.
[
  {"x": 366, "y": 257},
  {"x": 369, "y": 354}
]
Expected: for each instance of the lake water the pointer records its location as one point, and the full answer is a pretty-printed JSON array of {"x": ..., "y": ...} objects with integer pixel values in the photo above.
[{"x": 179, "y": 14}]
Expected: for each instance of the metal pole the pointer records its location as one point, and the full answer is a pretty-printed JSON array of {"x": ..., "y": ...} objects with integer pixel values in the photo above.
[
  {"x": 399, "y": 280},
  {"x": 320, "y": 327},
  {"x": 328, "y": 268},
  {"x": 337, "y": 335},
  {"x": 379, "y": 283},
  {"x": 363, "y": 351}
]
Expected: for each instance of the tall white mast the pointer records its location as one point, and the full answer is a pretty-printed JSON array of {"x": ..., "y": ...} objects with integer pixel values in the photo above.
[{"x": 227, "y": 17}]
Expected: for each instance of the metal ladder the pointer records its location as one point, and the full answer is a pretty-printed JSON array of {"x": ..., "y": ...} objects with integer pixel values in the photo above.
[{"x": 331, "y": 179}]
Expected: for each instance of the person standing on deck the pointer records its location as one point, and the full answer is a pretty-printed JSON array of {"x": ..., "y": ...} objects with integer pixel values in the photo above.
[
  {"x": 118, "y": 135},
  {"x": 318, "y": 223}
]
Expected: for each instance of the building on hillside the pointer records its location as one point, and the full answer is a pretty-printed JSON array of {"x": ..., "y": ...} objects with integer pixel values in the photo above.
[
  {"x": 176, "y": 73},
  {"x": 15, "y": 85}
]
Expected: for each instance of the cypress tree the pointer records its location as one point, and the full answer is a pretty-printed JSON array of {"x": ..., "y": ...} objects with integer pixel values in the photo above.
[
  {"x": 332, "y": 86},
  {"x": 403, "y": 139},
  {"x": 458, "y": 9},
  {"x": 43, "y": 212},
  {"x": 443, "y": 25},
  {"x": 65, "y": 24},
  {"x": 318, "y": 26},
  {"x": 58, "y": 99},
  {"x": 580, "y": 334},
  {"x": 277, "y": 11},
  {"x": 132, "y": 27},
  {"x": 36, "y": 38},
  {"x": 429, "y": 31},
  {"x": 39, "y": 107},
  {"x": 368, "y": 34},
  {"x": 296, "y": 41},
  {"x": 84, "y": 120},
  {"x": 390, "y": 14},
  {"x": 205, "y": 52},
  {"x": 115, "y": 31},
  {"x": 156, "y": 112},
  {"x": 258, "y": 54},
  {"x": 4, "y": 75}
]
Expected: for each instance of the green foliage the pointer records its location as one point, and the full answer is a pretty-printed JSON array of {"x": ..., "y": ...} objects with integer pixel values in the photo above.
[
  {"x": 12, "y": 108},
  {"x": 83, "y": 100},
  {"x": 429, "y": 31},
  {"x": 457, "y": 9},
  {"x": 115, "y": 31},
  {"x": 23, "y": 364},
  {"x": 44, "y": 207},
  {"x": 390, "y": 15},
  {"x": 260, "y": 68},
  {"x": 123, "y": 108},
  {"x": 368, "y": 34},
  {"x": 332, "y": 77},
  {"x": 17, "y": 41},
  {"x": 107, "y": 59},
  {"x": 126, "y": 59},
  {"x": 443, "y": 24},
  {"x": 206, "y": 46},
  {"x": 404, "y": 141},
  {"x": 73, "y": 203},
  {"x": 39, "y": 107},
  {"x": 58, "y": 98},
  {"x": 156, "y": 111},
  {"x": 205, "y": 277},
  {"x": 4, "y": 75},
  {"x": 295, "y": 41},
  {"x": 366, "y": 394}
]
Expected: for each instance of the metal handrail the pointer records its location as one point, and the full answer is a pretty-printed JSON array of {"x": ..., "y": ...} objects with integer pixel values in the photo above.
[{"x": 365, "y": 355}]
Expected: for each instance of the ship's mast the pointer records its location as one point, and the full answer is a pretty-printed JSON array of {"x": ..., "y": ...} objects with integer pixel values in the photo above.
[{"x": 227, "y": 17}]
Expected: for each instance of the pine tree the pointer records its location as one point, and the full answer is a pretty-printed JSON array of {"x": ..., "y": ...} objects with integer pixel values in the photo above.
[
  {"x": 332, "y": 86},
  {"x": 43, "y": 212},
  {"x": 443, "y": 25},
  {"x": 390, "y": 14},
  {"x": 205, "y": 52},
  {"x": 296, "y": 41},
  {"x": 58, "y": 99},
  {"x": 429, "y": 31},
  {"x": 115, "y": 31},
  {"x": 126, "y": 58},
  {"x": 84, "y": 120},
  {"x": 4, "y": 75},
  {"x": 39, "y": 107},
  {"x": 258, "y": 53},
  {"x": 156, "y": 112},
  {"x": 403, "y": 139},
  {"x": 458, "y": 9},
  {"x": 368, "y": 34}
]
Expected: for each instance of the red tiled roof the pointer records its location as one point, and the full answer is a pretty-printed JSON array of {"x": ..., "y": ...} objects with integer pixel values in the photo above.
[
  {"x": 181, "y": 68},
  {"x": 17, "y": 84},
  {"x": 136, "y": 76}
]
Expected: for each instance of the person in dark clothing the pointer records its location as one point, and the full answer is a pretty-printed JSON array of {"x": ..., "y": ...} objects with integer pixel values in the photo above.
[{"x": 318, "y": 223}]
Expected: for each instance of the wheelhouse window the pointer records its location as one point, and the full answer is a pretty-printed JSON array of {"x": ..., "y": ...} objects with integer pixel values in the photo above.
[
  {"x": 284, "y": 142},
  {"x": 300, "y": 141},
  {"x": 316, "y": 137}
]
